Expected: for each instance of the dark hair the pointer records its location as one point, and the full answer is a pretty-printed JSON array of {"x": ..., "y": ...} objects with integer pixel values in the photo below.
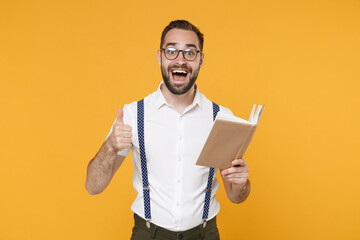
[{"x": 185, "y": 25}]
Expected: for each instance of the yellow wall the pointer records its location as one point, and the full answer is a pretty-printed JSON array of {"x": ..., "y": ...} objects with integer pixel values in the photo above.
[{"x": 66, "y": 66}]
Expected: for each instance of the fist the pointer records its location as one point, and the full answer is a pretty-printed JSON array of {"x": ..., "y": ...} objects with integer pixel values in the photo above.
[{"x": 121, "y": 135}]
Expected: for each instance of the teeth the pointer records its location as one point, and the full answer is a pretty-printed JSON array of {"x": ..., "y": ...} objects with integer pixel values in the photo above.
[{"x": 179, "y": 71}]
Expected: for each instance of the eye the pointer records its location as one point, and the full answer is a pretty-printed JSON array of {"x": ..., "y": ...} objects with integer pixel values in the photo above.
[
  {"x": 190, "y": 52},
  {"x": 171, "y": 51}
]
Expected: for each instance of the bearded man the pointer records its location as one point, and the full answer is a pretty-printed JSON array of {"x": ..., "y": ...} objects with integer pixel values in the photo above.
[{"x": 166, "y": 131}]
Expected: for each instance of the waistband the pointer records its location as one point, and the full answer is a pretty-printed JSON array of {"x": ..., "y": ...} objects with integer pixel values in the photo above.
[{"x": 198, "y": 231}]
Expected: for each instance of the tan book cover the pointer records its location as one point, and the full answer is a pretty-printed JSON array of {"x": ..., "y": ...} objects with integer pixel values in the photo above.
[{"x": 229, "y": 138}]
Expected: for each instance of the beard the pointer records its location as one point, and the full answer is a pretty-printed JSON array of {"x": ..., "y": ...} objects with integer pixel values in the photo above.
[{"x": 173, "y": 88}]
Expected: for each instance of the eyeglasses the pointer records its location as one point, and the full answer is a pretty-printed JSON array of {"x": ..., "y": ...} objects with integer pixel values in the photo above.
[{"x": 172, "y": 53}]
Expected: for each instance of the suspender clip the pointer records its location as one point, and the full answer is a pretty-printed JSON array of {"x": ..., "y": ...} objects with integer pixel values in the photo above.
[
  {"x": 204, "y": 223},
  {"x": 146, "y": 188},
  {"x": 208, "y": 189},
  {"x": 148, "y": 223}
]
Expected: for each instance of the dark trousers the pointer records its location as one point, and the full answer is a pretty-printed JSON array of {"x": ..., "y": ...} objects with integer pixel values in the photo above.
[{"x": 142, "y": 232}]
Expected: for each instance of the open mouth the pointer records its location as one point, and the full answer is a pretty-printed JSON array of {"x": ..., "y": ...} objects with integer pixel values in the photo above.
[{"x": 179, "y": 74}]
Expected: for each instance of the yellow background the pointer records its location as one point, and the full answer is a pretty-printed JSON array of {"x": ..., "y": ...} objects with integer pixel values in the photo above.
[{"x": 66, "y": 66}]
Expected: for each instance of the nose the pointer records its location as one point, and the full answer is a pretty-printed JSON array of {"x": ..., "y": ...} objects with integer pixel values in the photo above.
[{"x": 180, "y": 58}]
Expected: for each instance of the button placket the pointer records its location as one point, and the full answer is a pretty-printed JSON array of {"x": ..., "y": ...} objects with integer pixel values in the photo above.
[{"x": 179, "y": 167}]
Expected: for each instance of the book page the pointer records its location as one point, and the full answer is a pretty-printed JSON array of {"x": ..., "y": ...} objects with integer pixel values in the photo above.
[{"x": 229, "y": 117}]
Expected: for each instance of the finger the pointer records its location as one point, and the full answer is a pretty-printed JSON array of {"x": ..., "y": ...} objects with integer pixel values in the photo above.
[
  {"x": 126, "y": 140},
  {"x": 238, "y": 163},
  {"x": 234, "y": 169},
  {"x": 230, "y": 172},
  {"x": 120, "y": 133},
  {"x": 237, "y": 175},
  {"x": 122, "y": 140},
  {"x": 121, "y": 127},
  {"x": 126, "y": 128},
  {"x": 120, "y": 116},
  {"x": 124, "y": 134}
]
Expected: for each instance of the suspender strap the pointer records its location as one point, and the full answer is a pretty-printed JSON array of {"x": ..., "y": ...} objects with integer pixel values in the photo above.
[
  {"x": 144, "y": 172},
  {"x": 211, "y": 176}
]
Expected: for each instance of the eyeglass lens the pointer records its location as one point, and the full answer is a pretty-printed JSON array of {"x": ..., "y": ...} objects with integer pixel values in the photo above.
[{"x": 172, "y": 53}]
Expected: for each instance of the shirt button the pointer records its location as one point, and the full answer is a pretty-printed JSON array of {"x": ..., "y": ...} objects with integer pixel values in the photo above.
[
  {"x": 180, "y": 137},
  {"x": 179, "y": 159},
  {"x": 177, "y": 204},
  {"x": 178, "y": 181}
]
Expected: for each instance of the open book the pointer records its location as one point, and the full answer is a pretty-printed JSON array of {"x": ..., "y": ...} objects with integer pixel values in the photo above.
[{"x": 229, "y": 138}]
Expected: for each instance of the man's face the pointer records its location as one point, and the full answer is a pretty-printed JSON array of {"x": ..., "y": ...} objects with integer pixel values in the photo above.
[{"x": 180, "y": 74}]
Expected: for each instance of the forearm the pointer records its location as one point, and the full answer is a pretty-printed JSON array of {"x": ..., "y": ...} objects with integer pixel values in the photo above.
[
  {"x": 100, "y": 169},
  {"x": 236, "y": 194}
]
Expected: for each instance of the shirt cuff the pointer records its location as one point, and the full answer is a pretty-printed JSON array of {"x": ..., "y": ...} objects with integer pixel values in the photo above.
[{"x": 124, "y": 152}]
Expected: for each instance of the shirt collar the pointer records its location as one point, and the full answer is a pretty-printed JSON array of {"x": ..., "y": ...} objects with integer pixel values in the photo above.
[{"x": 161, "y": 101}]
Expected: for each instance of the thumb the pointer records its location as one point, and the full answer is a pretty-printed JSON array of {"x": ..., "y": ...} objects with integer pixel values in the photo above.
[{"x": 120, "y": 116}]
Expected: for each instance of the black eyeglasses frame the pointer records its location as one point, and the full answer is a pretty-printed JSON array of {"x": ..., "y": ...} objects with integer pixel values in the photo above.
[{"x": 183, "y": 53}]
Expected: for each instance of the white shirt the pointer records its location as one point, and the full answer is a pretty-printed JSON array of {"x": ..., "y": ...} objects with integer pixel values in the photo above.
[{"x": 173, "y": 143}]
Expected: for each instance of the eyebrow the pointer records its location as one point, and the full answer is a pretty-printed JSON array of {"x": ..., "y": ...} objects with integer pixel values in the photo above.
[
  {"x": 191, "y": 45},
  {"x": 174, "y": 44}
]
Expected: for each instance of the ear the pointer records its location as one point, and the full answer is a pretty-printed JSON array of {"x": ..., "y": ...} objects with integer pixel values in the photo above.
[
  {"x": 202, "y": 59},
  {"x": 159, "y": 57}
]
